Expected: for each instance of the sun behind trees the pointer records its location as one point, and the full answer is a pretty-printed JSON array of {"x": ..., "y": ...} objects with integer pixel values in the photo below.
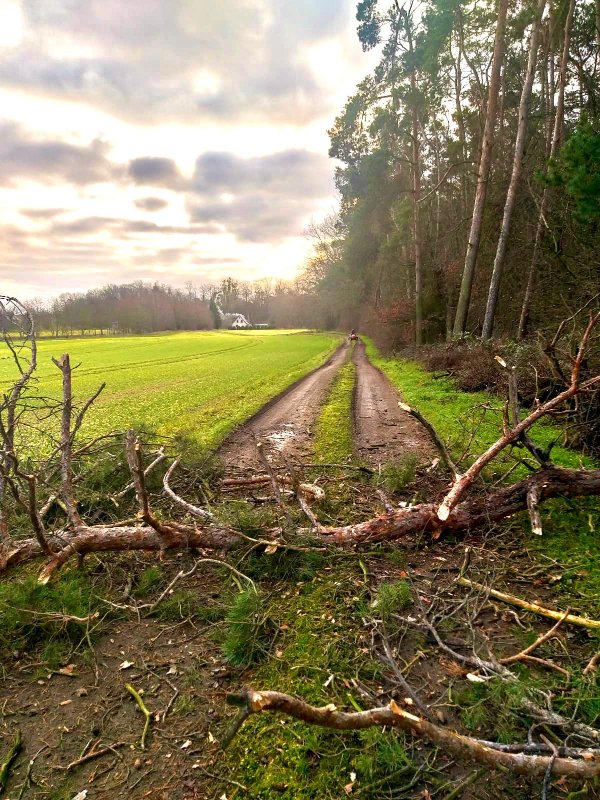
[{"x": 469, "y": 167}]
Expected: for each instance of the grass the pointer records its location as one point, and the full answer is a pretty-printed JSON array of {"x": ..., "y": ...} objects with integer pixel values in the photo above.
[
  {"x": 320, "y": 648},
  {"x": 333, "y": 433},
  {"x": 200, "y": 383}
]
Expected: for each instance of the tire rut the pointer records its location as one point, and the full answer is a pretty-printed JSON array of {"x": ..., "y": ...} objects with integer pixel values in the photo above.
[
  {"x": 383, "y": 433},
  {"x": 286, "y": 422}
]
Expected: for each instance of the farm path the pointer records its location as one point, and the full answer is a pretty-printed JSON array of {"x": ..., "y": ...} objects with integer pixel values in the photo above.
[
  {"x": 383, "y": 433},
  {"x": 285, "y": 422}
]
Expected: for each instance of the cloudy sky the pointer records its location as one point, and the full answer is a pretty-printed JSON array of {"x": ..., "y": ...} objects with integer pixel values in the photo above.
[{"x": 166, "y": 139}]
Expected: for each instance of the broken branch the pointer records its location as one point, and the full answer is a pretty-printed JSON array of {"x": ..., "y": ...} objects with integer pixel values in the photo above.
[
  {"x": 393, "y": 716},
  {"x": 535, "y": 608}
]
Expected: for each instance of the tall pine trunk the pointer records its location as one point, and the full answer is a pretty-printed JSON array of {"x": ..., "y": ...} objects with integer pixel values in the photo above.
[
  {"x": 464, "y": 299},
  {"x": 511, "y": 195},
  {"x": 556, "y": 140}
]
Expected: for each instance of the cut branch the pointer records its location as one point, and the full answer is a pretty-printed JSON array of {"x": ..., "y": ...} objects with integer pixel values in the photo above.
[{"x": 460, "y": 746}]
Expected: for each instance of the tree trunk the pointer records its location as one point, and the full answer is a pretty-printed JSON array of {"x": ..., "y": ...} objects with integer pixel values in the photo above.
[
  {"x": 416, "y": 170},
  {"x": 464, "y": 298},
  {"x": 556, "y": 140},
  {"x": 511, "y": 196}
]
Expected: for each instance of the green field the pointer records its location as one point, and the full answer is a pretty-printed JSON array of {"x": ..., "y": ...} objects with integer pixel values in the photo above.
[{"x": 199, "y": 383}]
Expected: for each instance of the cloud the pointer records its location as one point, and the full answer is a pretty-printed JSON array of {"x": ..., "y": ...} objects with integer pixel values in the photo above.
[
  {"x": 41, "y": 213},
  {"x": 259, "y": 199},
  {"x": 175, "y": 59},
  {"x": 155, "y": 171},
  {"x": 23, "y": 155},
  {"x": 151, "y": 203}
]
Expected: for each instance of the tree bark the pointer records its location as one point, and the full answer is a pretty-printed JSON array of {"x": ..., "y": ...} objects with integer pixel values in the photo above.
[
  {"x": 511, "y": 196},
  {"x": 556, "y": 140},
  {"x": 464, "y": 299}
]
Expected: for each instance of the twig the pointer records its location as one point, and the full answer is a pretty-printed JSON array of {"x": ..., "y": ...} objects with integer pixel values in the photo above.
[
  {"x": 468, "y": 781},
  {"x": 391, "y": 662},
  {"x": 147, "y": 715},
  {"x": 539, "y": 641},
  {"x": 535, "y": 608},
  {"x": 6, "y": 765},
  {"x": 92, "y": 755},
  {"x": 189, "y": 507},
  {"x": 181, "y": 574}
]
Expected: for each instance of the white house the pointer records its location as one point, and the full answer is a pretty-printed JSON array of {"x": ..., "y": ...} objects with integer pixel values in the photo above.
[{"x": 234, "y": 321}]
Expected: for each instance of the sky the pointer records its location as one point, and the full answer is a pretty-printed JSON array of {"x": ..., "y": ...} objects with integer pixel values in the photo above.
[{"x": 169, "y": 140}]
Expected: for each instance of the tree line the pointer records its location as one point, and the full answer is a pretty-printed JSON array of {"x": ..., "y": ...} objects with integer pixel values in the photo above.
[
  {"x": 469, "y": 171},
  {"x": 142, "y": 307}
]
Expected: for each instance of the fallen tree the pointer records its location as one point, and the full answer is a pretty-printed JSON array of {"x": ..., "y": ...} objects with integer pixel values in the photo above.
[{"x": 149, "y": 532}]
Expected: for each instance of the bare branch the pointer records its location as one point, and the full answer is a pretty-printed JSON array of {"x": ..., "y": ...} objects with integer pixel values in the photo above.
[
  {"x": 66, "y": 441},
  {"x": 189, "y": 507},
  {"x": 392, "y": 715}
]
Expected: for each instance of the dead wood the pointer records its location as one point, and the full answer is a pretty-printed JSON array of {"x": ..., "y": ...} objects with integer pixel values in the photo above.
[
  {"x": 464, "y": 747},
  {"x": 519, "y": 429},
  {"x": 535, "y": 608}
]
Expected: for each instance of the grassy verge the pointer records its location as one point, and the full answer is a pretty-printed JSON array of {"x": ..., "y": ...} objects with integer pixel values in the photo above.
[
  {"x": 570, "y": 534},
  {"x": 333, "y": 433}
]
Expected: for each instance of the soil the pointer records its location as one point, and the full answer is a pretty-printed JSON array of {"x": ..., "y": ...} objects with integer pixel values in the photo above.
[
  {"x": 383, "y": 433},
  {"x": 285, "y": 422}
]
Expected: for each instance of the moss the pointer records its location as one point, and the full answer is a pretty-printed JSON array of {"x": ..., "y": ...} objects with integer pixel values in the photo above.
[{"x": 320, "y": 649}]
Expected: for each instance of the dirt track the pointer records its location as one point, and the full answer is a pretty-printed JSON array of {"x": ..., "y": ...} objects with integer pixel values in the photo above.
[
  {"x": 286, "y": 421},
  {"x": 383, "y": 433}
]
